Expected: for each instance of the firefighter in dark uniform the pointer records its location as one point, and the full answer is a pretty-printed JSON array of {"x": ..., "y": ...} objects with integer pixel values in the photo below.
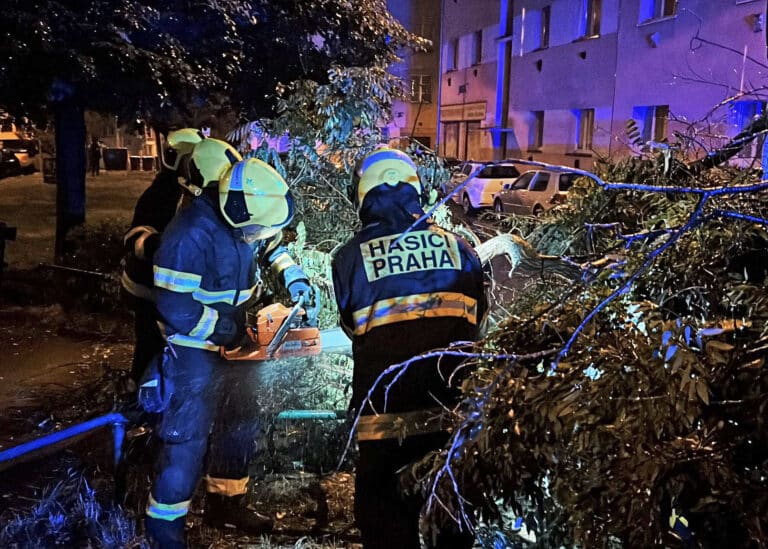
[
  {"x": 154, "y": 210},
  {"x": 397, "y": 300},
  {"x": 205, "y": 272}
]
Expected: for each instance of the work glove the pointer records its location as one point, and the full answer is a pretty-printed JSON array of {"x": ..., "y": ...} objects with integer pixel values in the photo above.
[
  {"x": 230, "y": 329},
  {"x": 299, "y": 287},
  {"x": 155, "y": 388}
]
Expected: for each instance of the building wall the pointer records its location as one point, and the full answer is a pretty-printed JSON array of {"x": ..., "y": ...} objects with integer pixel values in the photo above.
[
  {"x": 413, "y": 117},
  {"x": 571, "y": 74},
  {"x": 661, "y": 63},
  {"x": 468, "y": 86},
  {"x": 630, "y": 70}
]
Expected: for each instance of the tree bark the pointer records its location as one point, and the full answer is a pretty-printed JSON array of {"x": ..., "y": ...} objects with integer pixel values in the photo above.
[
  {"x": 70, "y": 170},
  {"x": 732, "y": 148}
]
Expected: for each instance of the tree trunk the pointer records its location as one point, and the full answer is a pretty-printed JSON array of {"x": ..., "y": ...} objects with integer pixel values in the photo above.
[
  {"x": 732, "y": 148},
  {"x": 70, "y": 170}
]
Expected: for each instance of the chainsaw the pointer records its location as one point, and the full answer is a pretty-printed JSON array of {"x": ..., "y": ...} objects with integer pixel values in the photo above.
[{"x": 283, "y": 332}]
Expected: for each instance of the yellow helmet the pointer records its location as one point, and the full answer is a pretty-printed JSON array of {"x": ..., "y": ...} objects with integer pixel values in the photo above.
[
  {"x": 180, "y": 143},
  {"x": 254, "y": 197},
  {"x": 385, "y": 166},
  {"x": 211, "y": 158}
]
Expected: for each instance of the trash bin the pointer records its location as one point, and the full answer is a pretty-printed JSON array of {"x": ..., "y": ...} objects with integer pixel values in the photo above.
[
  {"x": 147, "y": 163},
  {"x": 49, "y": 169},
  {"x": 115, "y": 158},
  {"x": 135, "y": 163}
]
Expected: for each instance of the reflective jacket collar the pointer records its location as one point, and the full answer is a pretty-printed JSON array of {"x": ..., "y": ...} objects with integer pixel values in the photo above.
[
  {"x": 393, "y": 206},
  {"x": 210, "y": 200}
]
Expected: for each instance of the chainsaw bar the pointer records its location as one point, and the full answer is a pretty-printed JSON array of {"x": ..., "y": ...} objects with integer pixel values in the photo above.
[{"x": 285, "y": 326}]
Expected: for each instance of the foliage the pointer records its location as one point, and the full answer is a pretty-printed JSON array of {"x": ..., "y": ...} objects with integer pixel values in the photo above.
[
  {"x": 160, "y": 59},
  {"x": 660, "y": 401},
  {"x": 71, "y": 513},
  {"x": 330, "y": 116},
  {"x": 151, "y": 58}
]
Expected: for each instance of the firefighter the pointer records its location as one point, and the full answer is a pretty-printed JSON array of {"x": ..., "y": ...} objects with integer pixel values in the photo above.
[
  {"x": 398, "y": 299},
  {"x": 154, "y": 210},
  {"x": 204, "y": 273}
]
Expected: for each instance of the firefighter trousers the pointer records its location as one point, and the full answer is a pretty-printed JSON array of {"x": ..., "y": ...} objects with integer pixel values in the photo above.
[
  {"x": 210, "y": 420},
  {"x": 387, "y": 517}
]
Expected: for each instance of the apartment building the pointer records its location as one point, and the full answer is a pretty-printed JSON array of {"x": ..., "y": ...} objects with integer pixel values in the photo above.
[
  {"x": 572, "y": 73},
  {"x": 468, "y": 78},
  {"x": 417, "y": 116}
]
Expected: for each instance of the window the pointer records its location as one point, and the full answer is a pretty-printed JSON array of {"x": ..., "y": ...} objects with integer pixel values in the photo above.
[
  {"x": 656, "y": 9},
  {"x": 486, "y": 173},
  {"x": 473, "y": 140},
  {"x": 506, "y": 172},
  {"x": 585, "y": 129},
  {"x": 425, "y": 27},
  {"x": 523, "y": 181},
  {"x": 477, "y": 47},
  {"x": 654, "y": 122},
  {"x": 536, "y": 131},
  {"x": 540, "y": 182},
  {"x": 742, "y": 114},
  {"x": 546, "y": 17},
  {"x": 420, "y": 90},
  {"x": 592, "y": 10},
  {"x": 452, "y": 55},
  {"x": 499, "y": 172},
  {"x": 451, "y": 142},
  {"x": 566, "y": 181}
]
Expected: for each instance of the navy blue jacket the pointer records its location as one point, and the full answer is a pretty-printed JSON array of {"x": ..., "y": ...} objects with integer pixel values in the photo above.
[
  {"x": 154, "y": 210},
  {"x": 204, "y": 273},
  {"x": 400, "y": 300}
]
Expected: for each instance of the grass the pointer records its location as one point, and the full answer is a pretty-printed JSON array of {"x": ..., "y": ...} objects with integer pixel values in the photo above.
[{"x": 72, "y": 513}]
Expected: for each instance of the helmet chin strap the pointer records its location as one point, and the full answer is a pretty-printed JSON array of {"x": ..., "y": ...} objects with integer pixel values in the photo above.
[{"x": 193, "y": 189}]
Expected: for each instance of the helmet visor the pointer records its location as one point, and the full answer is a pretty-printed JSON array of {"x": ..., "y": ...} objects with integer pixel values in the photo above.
[{"x": 252, "y": 233}]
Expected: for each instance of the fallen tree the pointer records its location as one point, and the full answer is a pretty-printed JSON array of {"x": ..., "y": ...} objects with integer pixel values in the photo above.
[{"x": 606, "y": 404}]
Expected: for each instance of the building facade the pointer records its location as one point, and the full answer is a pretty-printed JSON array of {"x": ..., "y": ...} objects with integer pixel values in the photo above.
[
  {"x": 580, "y": 79},
  {"x": 417, "y": 116},
  {"x": 468, "y": 78}
]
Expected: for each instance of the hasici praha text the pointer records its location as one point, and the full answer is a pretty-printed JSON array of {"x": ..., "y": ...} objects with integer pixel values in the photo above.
[{"x": 418, "y": 251}]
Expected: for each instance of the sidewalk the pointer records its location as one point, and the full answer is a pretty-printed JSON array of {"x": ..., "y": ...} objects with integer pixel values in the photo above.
[{"x": 30, "y": 205}]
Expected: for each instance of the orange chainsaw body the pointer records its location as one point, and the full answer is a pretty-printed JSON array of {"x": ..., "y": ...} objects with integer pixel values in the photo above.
[{"x": 298, "y": 341}]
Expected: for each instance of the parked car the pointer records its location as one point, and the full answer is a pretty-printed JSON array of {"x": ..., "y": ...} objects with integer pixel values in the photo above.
[
  {"x": 534, "y": 192},
  {"x": 25, "y": 150},
  {"x": 459, "y": 172},
  {"x": 9, "y": 164},
  {"x": 480, "y": 190}
]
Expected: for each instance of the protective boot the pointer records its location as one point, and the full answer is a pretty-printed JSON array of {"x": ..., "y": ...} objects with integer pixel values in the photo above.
[
  {"x": 221, "y": 511},
  {"x": 165, "y": 534}
]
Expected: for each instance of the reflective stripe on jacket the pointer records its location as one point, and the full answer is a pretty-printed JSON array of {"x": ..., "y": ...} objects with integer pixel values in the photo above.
[
  {"x": 401, "y": 425},
  {"x": 400, "y": 297},
  {"x": 204, "y": 273}
]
